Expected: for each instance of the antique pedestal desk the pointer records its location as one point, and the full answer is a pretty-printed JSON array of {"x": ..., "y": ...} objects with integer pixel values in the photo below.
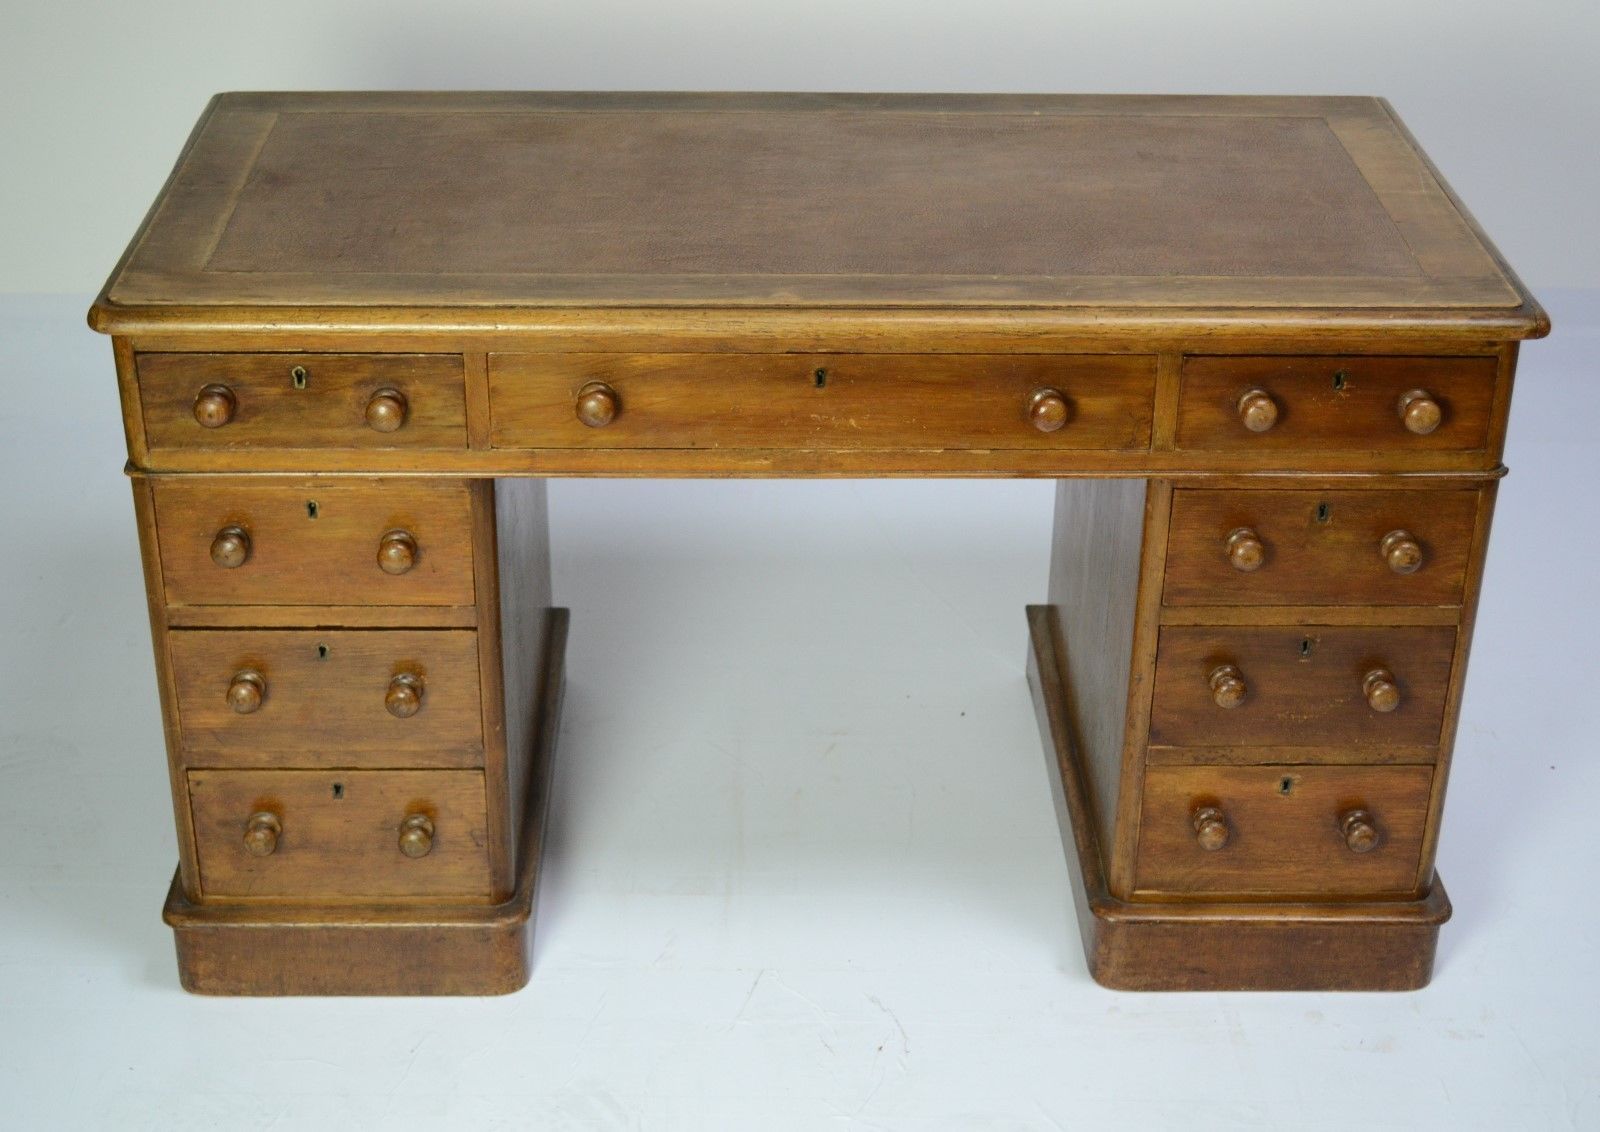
[{"x": 1262, "y": 349}]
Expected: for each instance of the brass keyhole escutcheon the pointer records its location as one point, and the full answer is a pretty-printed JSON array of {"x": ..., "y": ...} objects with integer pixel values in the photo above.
[{"x": 299, "y": 377}]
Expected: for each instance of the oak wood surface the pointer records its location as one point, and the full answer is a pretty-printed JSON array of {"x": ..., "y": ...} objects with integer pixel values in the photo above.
[
  {"x": 1285, "y": 837},
  {"x": 1318, "y": 546},
  {"x": 526, "y": 628},
  {"x": 328, "y": 687},
  {"x": 1094, "y": 579},
  {"x": 470, "y": 201},
  {"x": 1214, "y": 944},
  {"x": 1303, "y": 686},
  {"x": 391, "y": 947},
  {"x": 314, "y": 541},
  {"x": 341, "y": 831},
  {"x": 1333, "y": 403},
  {"x": 824, "y": 401},
  {"x": 327, "y": 408},
  {"x": 1263, "y": 346}
]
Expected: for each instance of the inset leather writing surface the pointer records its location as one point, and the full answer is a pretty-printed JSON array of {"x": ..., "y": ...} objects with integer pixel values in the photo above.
[
  {"x": 840, "y": 193},
  {"x": 455, "y": 200}
]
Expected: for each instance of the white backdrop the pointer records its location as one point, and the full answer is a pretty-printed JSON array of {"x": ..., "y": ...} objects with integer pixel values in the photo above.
[
  {"x": 803, "y": 870},
  {"x": 98, "y": 96}
]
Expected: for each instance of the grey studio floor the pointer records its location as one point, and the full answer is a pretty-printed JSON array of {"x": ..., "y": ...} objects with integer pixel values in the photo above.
[{"x": 803, "y": 869}]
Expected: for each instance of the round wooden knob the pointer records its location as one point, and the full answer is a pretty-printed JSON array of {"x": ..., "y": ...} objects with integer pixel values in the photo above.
[
  {"x": 416, "y": 835},
  {"x": 1359, "y": 830},
  {"x": 231, "y": 548},
  {"x": 397, "y": 552},
  {"x": 261, "y": 832},
  {"x": 1382, "y": 693},
  {"x": 1246, "y": 551},
  {"x": 246, "y": 691},
  {"x": 1227, "y": 686},
  {"x": 597, "y": 404},
  {"x": 214, "y": 406},
  {"x": 404, "y": 697},
  {"x": 386, "y": 410},
  {"x": 1257, "y": 410},
  {"x": 1401, "y": 551},
  {"x": 1211, "y": 828},
  {"x": 1048, "y": 410},
  {"x": 1419, "y": 412}
]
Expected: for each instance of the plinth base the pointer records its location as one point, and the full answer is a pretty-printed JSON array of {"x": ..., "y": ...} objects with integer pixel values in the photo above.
[
  {"x": 381, "y": 948},
  {"x": 1200, "y": 945}
]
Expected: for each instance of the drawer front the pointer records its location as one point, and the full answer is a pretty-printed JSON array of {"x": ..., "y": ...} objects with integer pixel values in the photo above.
[
  {"x": 328, "y": 698},
  {"x": 314, "y": 542},
  {"x": 826, "y": 401},
  {"x": 1319, "y": 548},
  {"x": 1334, "y": 404},
  {"x": 303, "y": 401},
  {"x": 1282, "y": 830},
  {"x": 338, "y": 833},
  {"x": 1300, "y": 686}
]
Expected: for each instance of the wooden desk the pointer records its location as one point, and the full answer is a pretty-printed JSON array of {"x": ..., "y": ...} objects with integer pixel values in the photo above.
[{"x": 1258, "y": 343}]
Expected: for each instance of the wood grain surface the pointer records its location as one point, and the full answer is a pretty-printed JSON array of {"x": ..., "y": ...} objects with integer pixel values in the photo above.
[
  {"x": 340, "y": 833},
  {"x": 1285, "y": 839},
  {"x": 1319, "y": 547},
  {"x": 321, "y": 555}
]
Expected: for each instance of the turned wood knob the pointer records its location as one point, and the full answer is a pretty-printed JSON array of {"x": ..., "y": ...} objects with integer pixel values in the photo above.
[
  {"x": 1211, "y": 828},
  {"x": 214, "y": 406},
  {"x": 416, "y": 835},
  {"x": 404, "y": 697},
  {"x": 1402, "y": 552},
  {"x": 1257, "y": 410},
  {"x": 1246, "y": 551},
  {"x": 597, "y": 404},
  {"x": 261, "y": 832},
  {"x": 397, "y": 552},
  {"x": 1359, "y": 830},
  {"x": 386, "y": 410},
  {"x": 1227, "y": 685},
  {"x": 1419, "y": 412},
  {"x": 1382, "y": 693},
  {"x": 231, "y": 548},
  {"x": 1048, "y": 409},
  {"x": 246, "y": 691}
]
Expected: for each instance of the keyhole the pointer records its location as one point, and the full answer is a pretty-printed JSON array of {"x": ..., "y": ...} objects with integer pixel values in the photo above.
[
  {"x": 1324, "y": 512},
  {"x": 1285, "y": 785},
  {"x": 338, "y": 789},
  {"x": 1340, "y": 377},
  {"x": 1305, "y": 648},
  {"x": 311, "y": 508},
  {"x": 322, "y": 652},
  {"x": 820, "y": 377},
  {"x": 299, "y": 376}
]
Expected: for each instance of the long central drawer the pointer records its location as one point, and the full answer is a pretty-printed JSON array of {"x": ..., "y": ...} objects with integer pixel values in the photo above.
[{"x": 829, "y": 401}]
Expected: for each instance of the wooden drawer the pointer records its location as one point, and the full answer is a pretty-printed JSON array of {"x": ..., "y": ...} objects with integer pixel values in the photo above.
[
  {"x": 826, "y": 401},
  {"x": 1319, "y": 547},
  {"x": 328, "y": 698},
  {"x": 1303, "y": 686},
  {"x": 303, "y": 400},
  {"x": 314, "y": 541},
  {"x": 1282, "y": 830},
  {"x": 339, "y": 833},
  {"x": 1334, "y": 404}
]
